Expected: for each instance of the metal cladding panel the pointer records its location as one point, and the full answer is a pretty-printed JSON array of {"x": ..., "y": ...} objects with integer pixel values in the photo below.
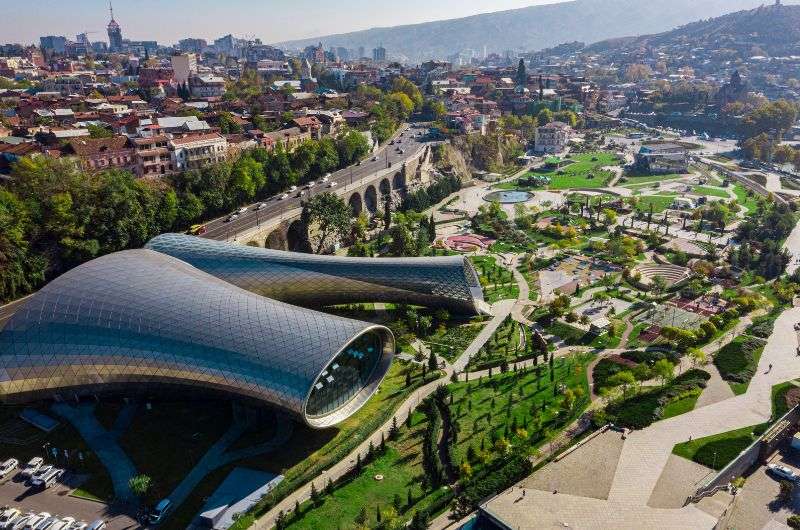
[
  {"x": 313, "y": 280},
  {"x": 141, "y": 317}
]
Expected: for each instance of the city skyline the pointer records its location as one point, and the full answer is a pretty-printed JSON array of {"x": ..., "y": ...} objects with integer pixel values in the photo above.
[{"x": 270, "y": 23}]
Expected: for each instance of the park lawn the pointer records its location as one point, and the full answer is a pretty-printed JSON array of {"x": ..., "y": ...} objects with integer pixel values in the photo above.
[
  {"x": 681, "y": 406},
  {"x": 659, "y": 202},
  {"x": 452, "y": 342},
  {"x": 576, "y": 174},
  {"x": 738, "y": 361},
  {"x": 718, "y": 450},
  {"x": 481, "y": 410},
  {"x": 710, "y": 192},
  {"x": 634, "y": 182},
  {"x": 747, "y": 201},
  {"x": 310, "y": 451}
]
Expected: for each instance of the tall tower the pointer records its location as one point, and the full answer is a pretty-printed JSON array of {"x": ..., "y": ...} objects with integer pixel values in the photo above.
[{"x": 114, "y": 32}]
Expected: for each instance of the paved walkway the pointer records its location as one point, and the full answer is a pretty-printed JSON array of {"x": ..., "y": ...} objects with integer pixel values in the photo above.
[
  {"x": 104, "y": 444},
  {"x": 500, "y": 311}
]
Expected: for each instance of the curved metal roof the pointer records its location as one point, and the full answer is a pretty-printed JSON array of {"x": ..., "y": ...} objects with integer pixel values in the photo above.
[
  {"x": 139, "y": 316},
  {"x": 313, "y": 280}
]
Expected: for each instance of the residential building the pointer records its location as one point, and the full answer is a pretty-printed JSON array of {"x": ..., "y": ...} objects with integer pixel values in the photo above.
[
  {"x": 207, "y": 86},
  {"x": 184, "y": 66},
  {"x": 153, "y": 157},
  {"x": 196, "y": 151},
  {"x": 102, "y": 153},
  {"x": 552, "y": 138}
]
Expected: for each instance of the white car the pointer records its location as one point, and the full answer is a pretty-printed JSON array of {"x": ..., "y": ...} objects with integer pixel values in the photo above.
[
  {"x": 292, "y": 189},
  {"x": 374, "y": 158},
  {"x": 326, "y": 178},
  {"x": 232, "y": 217},
  {"x": 242, "y": 210},
  {"x": 8, "y": 466},
  {"x": 311, "y": 184},
  {"x": 782, "y": 472},
  {"x": 283, "y": 197},
  {"x": 8, "y": 517},
  {"x": 35, "y": 520},
  {"x": 20, "y": 522},
  {"x": 32, "y": 467},
  {"x": 65, "y": 524},
  {"x": 331, "y": 184},
  {"x": 47, "y": 480},
  {"x": 42, "y": 471},
  {"x": 261, "y": 206},
  {"x": 46, "y": 523}
]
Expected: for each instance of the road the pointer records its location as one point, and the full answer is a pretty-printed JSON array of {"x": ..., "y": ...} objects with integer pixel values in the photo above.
[{"x": 220, "y": 229}]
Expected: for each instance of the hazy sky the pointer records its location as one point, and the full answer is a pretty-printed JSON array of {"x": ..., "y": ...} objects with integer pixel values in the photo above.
[{"x": 271, "y": 20}]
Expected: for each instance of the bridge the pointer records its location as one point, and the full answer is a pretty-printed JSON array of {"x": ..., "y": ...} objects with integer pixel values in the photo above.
[{"x": 393, "y": 169}]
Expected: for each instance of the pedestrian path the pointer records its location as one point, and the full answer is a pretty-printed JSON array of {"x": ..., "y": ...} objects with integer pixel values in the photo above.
[
  {"x": 104, "y": 444},
  {"x": 500, "y": 310}
]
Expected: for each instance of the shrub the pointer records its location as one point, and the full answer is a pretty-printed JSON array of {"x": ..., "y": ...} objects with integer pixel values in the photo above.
[{"x": 737, "y": 360}]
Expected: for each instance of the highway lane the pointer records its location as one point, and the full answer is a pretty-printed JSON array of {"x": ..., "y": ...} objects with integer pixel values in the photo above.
[{"x": 273, "y": 207}]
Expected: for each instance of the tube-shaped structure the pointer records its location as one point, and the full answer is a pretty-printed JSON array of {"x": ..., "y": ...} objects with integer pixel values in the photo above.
[
  {"x": 138, "y": 318},
  {"x": 312, "y": 280}
]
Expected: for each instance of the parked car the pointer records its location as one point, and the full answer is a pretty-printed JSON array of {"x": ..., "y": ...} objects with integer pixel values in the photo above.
[
  {"x": 374, "y": 158},
  {"x": 32, "y": 467},
  {"x": 97, "y": 525},
  {"x": 65, "y": 524},
  {"x": 8, "y": 466},
  {"x": 332, "y": 184},
  {"x": 292, "y": 189},
  {"x": 311, "y": 184},
  {"x": 42, "y": 471},
  {"x": 261, "y": 206},
  {"x": 20, "y": 522},
  {"x": 74, "y": 525},
  {"x": 34, "y": 520},
  {"x": 326, "y": 178},
  {"x": 782, "y": 472},
  {"x": 160, "y": 512},
  {"x": 283, "y": 197},
  {"x": 300, "y": 193},
  {"x": 232, "y": 217},
  {"x": 243, "y": 209},
  {"x": 47, "y": 480},
  {"x": 8, "y": 517},
  {"x": 47, "y": 523}
]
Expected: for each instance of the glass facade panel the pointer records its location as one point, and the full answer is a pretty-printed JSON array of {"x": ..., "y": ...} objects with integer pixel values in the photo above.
[{"x": 345, "y": 376}]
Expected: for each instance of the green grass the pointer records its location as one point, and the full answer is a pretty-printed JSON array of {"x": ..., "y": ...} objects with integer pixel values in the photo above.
[
  {"x": 658, "y": 202},
  {"x": 749, "y": 203},
  {"x": 309, "y": 451},
  {"x": 738, "y": 360},
  {"x": 576, "y": 175},
  {"x": 710, "y": 192},
  {"x": 481, "y": 409},
  {"x": 454, "y": 340},
  {"x": 719, "y": 450},
  {"x": 681, "y": 406},
  {"x": 634, "y": 181}
]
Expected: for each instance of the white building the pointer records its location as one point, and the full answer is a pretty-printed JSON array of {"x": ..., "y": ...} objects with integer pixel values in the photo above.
[
  {"x": 184, "y": 66},
  {"x": 207, "y": 86},
  {"x": 553, "y": 137},
  {"x": 196, "y": 151}
]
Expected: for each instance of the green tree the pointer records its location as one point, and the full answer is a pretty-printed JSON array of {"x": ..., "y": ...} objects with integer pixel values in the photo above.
[
  {"x": 330, "y": 216},
  {"x": 140, "y": 485},
  {"x": 664, "y": 370},
  {"x": 99, "y": 131}
]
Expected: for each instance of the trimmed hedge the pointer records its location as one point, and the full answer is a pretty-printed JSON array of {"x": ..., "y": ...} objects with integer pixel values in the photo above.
[
  {"x": 737, "y": 360},
  {"x": 639, "y": 411}
]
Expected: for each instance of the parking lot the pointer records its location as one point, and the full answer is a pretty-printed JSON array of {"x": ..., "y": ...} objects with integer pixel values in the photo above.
[
  {"x": 56, "y": 501},
  {"x": 758, "y": 501}
]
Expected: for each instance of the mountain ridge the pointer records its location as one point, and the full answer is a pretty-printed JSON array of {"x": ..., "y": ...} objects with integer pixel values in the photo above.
[{"x": 530, "y": 28}]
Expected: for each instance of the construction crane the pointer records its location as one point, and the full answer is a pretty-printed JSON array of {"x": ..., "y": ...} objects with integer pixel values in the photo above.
[{"x": 83, "y": 38}]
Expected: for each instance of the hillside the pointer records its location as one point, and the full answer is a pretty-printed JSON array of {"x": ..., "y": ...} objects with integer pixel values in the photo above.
[
  {"x": 774, "y": 29},
  {"x": 532, "y": 28}
]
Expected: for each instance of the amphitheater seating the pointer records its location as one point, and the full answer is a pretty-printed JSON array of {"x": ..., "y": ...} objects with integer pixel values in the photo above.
[{"x": 672, "y": 274}]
